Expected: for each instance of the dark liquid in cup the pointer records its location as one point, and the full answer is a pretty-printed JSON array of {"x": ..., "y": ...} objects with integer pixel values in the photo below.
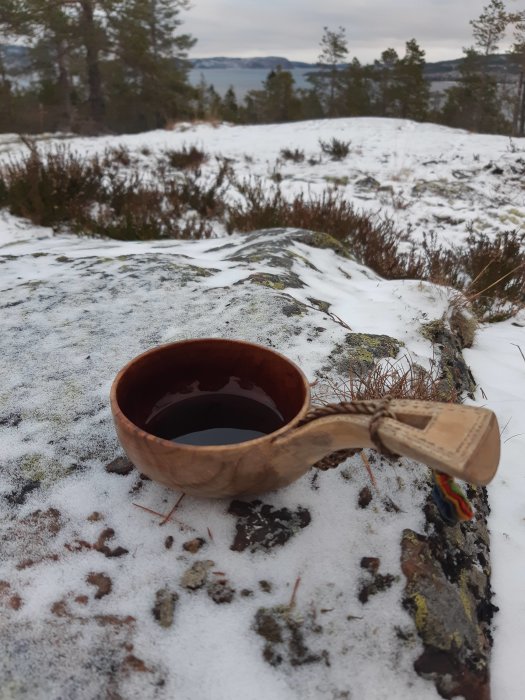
[{"x": 215, "y": 419}]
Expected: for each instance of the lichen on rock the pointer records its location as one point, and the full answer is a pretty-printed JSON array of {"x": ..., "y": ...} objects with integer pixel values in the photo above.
[{"x": 360, "y": 352}]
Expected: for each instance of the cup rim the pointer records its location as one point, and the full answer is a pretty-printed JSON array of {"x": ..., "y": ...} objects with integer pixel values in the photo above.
[{"x": 119, "y": 415}]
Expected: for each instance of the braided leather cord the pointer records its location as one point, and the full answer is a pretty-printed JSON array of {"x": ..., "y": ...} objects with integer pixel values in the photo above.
[{"x": 450, "y": 500}]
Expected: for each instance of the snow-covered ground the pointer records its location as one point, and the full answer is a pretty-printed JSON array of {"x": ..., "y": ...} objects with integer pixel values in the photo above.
[{"x": 429, "y": 179}]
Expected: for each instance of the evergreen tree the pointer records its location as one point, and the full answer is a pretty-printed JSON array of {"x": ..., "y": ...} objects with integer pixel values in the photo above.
[
  {"x": 355, "y": 91},
  {"x": 129, "y": 48},
  {"x": 489, "y": 28},
  {"x": 413, "y": 91},
  {"x": 60, "y": 26},
  {"x": 282, "y": 104},
  {"x": 230, "y": 108},
  {"x": 311, "y": 107},
  {"x": 518, "y": 57},
  {"x": 387, "y": 91},
  {"x": 328, "y": 82},
  {"x": 151, "y": 67},
  {"x": 474, "y": 103},
  {"x": 276, "y": 102},
  {"x": 50, "y": 52}
]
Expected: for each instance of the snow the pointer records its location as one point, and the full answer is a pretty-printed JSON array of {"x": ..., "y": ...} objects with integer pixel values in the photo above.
[
  {"x": 76, "y": 322},
  {"x": 499, "y": 368},
  {"x": 399, "y": 154}
]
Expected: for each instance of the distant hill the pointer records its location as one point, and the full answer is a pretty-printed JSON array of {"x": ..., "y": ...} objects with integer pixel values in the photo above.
[
  {"x": 439, "y": 70},
  {"x": 264, "y": 62},
  {"x": 16, "y": 58},
  {"x": 499, "y": 64}
]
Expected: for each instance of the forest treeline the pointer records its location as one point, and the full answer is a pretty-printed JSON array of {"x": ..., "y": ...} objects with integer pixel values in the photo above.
[{"x": 98, "y": 66}]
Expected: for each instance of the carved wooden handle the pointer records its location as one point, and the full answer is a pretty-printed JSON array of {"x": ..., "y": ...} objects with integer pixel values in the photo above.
[{"x": 462, "y": 441}]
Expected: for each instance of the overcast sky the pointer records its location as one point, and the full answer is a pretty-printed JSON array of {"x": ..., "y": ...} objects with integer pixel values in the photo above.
[{"x": 293, "y": 28}]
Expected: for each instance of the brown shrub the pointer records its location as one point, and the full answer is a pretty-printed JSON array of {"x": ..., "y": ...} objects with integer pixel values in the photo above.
[
  {"x": 336, "y": 149},
  {"x": 186, "y": 158},
  {"x": 373, "y": 241},
  {"x": 296, "y": 156},
  {"x": 50, "y": 188}
]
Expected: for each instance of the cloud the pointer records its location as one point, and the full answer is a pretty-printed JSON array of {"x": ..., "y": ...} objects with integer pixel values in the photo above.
[{"x": 293, "y": 28}]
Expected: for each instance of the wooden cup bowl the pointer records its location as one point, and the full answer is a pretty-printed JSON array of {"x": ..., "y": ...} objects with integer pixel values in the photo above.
[{"x": 461, "y": 441}]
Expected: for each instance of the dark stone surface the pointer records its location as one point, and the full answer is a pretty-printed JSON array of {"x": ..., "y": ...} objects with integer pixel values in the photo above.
[
  {"x": 261, "y": 527},
  {"x": 284, "y": 631},
  {"x": 120, "y": 465}
]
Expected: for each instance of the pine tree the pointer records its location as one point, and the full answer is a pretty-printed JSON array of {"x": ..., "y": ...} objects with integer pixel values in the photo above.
[
  {"x": 475, "y": 103},
  {"x": 281, "y": 103},
  {"x": 355, "y": 91},
  {"x": 413, "y": 91},
  {"x": 277, "y": 101},
  {"x": 518, "y": 57},
  {"x": 151, "y": 70},
  {"x": 489, "y": 28},
  {"x": 61, "y": 27},
  {"x": 129, "y": 48},
  {"x": 50, "y": 53},
  {"x": 387, "y": 92},
  {"x": 230, "y": 108},
  {"x": 327, "y": 83}
]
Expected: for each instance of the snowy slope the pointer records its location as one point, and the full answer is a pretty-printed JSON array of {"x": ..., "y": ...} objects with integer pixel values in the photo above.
[{"x": 81, "y": 298}]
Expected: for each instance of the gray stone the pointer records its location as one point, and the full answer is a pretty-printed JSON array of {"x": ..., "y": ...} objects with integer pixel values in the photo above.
[
  {"x": 164, "y": 608},
  {"x": 196, "y": 576}
]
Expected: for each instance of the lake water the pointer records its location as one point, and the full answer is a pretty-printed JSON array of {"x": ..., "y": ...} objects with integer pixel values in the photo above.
[
  {"x": 242, "y": 79},
  {"x": 245, "y": 79}
]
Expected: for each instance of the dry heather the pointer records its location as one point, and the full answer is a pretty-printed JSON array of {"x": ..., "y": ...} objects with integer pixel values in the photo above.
[{"x": 105, "y": 196}]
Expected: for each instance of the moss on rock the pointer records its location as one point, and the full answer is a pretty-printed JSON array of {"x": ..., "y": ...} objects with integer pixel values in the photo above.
[{"x": 360, "y": 351}]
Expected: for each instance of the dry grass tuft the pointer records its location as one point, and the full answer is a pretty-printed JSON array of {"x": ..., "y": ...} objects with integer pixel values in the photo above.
[{"x": 397, "y": 379}]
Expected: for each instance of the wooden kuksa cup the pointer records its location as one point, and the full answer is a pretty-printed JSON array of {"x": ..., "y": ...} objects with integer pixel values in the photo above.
[{"x": 462, "y": 441}]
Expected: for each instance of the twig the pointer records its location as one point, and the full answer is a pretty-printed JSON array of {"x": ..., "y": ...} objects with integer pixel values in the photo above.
[
  {"x": 521, "y": 351},
  {"x": 167, "y": 518},
  {"x": 477, "y": 294},
  {"x": 210, "y": 534},
  {"x": 338, "y": 320},
  {"x": 513, "y": 436},
  {"x": 483, "y": 393},
  {"x": 477, "y": 277},
  {"x": 369, "y": 470},
  {"x": 294, "y": 592},
  {"x": 331, "y": 315},
  {"x": 148, "y": 510},
  {"x": 505, "y": 427},
  {"x": 184, "y": 525}
]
